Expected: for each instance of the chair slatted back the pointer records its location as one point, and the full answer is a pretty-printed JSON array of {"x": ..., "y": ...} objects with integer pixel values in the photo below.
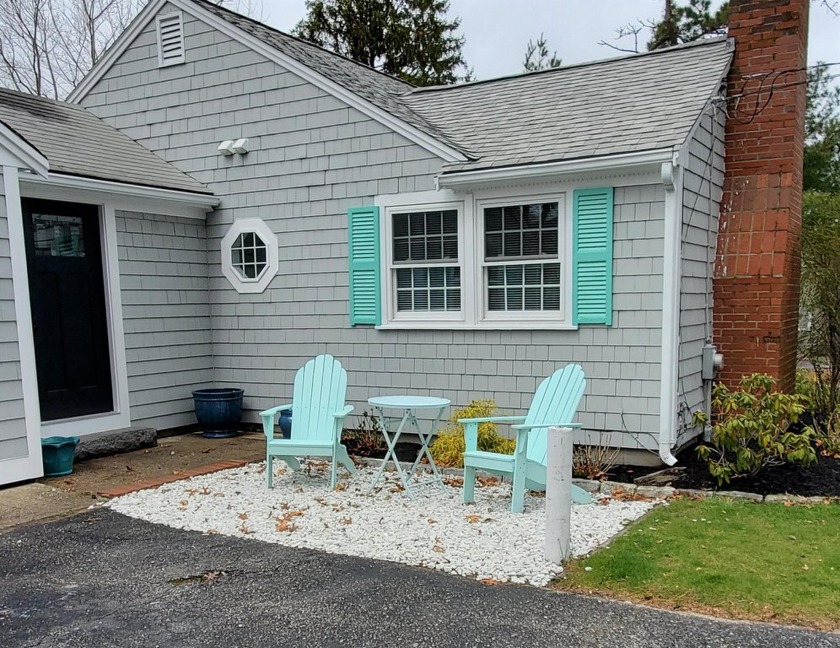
[
  {"x": 555, "y": 402},
  {"x": 320, "y": 387}
]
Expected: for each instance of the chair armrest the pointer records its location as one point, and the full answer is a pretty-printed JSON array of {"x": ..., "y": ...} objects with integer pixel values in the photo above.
[
  {"x": 341, "y": 414},
  {"x": 267, "y": 417},
  {"x": 492, "y": 419},
  {"x": 274, "y": 411},
  {"x": 531, "y": 426}
]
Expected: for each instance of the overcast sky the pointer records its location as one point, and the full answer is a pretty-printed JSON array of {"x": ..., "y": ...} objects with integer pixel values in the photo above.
[{"x": 497, "y": 31}]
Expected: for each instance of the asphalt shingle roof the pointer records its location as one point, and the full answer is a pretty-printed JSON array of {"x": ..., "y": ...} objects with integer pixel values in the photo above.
[
  {"x": 624, "y": 105},
  {"x": 381, "y": 90},
  {"x": 621, "y": 105},
  {"x": 76, "y": 142}
]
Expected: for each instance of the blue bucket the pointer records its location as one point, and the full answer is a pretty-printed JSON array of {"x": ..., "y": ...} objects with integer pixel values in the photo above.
[{"x": 58, "y": 453}]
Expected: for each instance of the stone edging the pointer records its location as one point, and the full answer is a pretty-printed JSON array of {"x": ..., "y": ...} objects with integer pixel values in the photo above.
[
  {"x": 654, "y": 492},
  {"x": 663, "y": 492}
]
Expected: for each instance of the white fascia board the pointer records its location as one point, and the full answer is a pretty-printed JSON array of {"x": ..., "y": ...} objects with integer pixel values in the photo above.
[
  {"x": 114, "y": 52},
  {"x": 124, "y": 193},
  {"x": 549, "y": 169},
  {"x": 27, "y": 155},
  {"x": 434, "y": 146}
]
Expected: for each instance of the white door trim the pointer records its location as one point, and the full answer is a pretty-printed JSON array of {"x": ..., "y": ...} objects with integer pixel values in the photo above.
[
  {"x": 30, "y": 466},
  {"x": 120, "y": 417}
]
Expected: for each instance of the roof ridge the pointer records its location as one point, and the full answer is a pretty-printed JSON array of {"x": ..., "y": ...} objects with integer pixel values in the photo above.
[
  {"x": 212, "y": 6},
  {"x": 703, "y": 42}
]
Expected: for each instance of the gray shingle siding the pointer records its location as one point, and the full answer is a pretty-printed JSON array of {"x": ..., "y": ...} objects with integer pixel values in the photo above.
[
  {"x": 312, "y": 157},
  {"x": 12, "y": 424},
  {"x": 702, "y": 191},
  {"x": 166, "y": 315}
]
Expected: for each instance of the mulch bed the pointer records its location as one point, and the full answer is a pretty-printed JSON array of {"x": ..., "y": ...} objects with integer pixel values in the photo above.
[{"x": 820, "y": 479}]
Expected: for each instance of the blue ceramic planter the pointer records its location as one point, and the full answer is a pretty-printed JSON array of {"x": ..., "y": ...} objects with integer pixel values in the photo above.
[
  {"x": 285, "y": 423},
  {"x": 218, "y": 411}
]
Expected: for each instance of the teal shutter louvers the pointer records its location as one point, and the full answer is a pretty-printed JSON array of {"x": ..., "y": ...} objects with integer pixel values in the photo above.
[
  {"x": 592, "y": 256},
  {"x": 365, "y": 291}
]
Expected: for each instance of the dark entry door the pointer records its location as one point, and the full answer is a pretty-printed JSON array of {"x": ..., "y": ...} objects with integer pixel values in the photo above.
[{"x": 67, "y": 295}]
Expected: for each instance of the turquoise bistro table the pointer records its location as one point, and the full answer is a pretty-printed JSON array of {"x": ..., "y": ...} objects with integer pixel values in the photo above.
[{"x": 409, "y": 405}]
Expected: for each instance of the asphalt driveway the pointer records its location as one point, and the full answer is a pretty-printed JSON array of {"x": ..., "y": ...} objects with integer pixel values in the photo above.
[{"x": 100, "y": 579}]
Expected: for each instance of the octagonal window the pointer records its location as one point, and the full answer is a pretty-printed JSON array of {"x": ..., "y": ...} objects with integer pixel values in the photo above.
[{"x": 249, "y": 255}]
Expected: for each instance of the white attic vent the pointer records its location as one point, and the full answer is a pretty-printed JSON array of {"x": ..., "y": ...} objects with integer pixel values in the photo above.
[{"x": 170, "y": 31}]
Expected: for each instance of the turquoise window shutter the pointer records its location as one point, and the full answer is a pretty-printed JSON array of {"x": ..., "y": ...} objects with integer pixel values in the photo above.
[
  {"x": 592, "y": 258},
  {"x": 365, "y": 292}
]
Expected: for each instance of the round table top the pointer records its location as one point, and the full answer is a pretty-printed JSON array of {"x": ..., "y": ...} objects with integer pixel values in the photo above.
[{"x": 409, "y": 402}]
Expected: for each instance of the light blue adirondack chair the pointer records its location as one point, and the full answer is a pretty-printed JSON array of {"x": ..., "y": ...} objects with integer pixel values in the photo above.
[
  {"x": 319, "y": 412},
  {"x": 554, "y": 405}
]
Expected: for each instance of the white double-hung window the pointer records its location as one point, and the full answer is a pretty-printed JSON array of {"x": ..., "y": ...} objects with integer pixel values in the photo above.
[
  {"x": 522, "y": 275},
  {"x": 537, "y": 257},
  {"x": 424, "y": 262}
]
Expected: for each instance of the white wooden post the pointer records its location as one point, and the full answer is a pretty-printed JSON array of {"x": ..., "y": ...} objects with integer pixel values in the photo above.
[{"x": 558, "y": 495}]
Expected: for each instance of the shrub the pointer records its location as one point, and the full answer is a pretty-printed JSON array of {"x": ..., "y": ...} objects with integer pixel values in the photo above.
[
  {"x": 594, "y": 461},
  {"x": 811, "y": 386},
  {"x": 448, "y": 448},
  {"x": 366, "y": 438},
  {"x": 752, "y": 429}
]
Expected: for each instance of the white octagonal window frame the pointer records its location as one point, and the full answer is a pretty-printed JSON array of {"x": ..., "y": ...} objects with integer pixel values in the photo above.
[{"x": 262, "y": 231}]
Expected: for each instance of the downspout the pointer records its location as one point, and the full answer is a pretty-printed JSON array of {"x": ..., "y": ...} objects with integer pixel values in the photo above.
[{"x": 671, "y": 274}]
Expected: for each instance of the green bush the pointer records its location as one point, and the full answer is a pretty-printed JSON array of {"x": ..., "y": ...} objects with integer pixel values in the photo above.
[
  {"x": 752, "y": 429},
  {"x": 448, "y": 448}
]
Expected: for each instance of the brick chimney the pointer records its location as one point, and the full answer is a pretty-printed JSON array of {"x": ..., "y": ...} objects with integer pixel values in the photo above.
[{"x": 756, "y": 283}]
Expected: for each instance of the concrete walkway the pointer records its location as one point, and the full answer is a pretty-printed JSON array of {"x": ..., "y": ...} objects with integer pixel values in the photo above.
[{"x": 100, "y": 579}]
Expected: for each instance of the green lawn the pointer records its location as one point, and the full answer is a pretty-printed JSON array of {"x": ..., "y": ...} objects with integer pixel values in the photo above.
[{"x": 745, "y": 560}]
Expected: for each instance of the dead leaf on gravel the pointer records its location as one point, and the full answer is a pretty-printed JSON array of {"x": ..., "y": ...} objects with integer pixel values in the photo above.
[
  {"x": 438, "y": 549},
  {"x": 242, "y": 516},
  {"x": 472, "y": 519},
  {"x": 211, "y": 532},
  {"x": 453, "y": 481},
  {"x": 346, "y": 520},
  {"x": 244, "y": 530},
  {"x": 487, "y": 481},
  {"x": 184, "y": 502},
  {"x": 342, "y": 486},
  {"x": 490, "y": 581}
]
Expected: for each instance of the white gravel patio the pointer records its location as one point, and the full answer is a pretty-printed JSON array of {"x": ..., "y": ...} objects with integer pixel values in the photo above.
[{"x": 484, "y": 540}]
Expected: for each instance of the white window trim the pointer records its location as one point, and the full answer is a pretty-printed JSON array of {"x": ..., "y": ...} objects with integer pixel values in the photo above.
[
  {"x": 471, "y": 259},
  {"x": 389, "y": 269},
  {"x": 564, "y": 254},
  {"x": 178, "y": 59},
  {"x": 260, "y": 283}
]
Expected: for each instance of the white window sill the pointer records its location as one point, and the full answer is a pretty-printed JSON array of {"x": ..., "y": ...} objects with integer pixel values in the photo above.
[{"x": 536, "y": 325}]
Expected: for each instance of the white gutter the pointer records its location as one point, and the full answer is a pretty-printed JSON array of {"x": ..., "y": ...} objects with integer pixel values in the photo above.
[
  {"x": 205, "y": 201},
  {"x": 672, "y": 268},
  {"x": 548, "y": 169}
]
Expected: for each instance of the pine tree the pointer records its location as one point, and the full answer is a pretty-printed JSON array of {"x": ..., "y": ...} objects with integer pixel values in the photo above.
[
  {"x": 538, "y": 58},
  {"x": 413, "y": 40}
]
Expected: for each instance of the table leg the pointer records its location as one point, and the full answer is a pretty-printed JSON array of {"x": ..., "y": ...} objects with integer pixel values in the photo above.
[
  {"x": 392, "y": 453},
  {"x": 424, "y": 449}
]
